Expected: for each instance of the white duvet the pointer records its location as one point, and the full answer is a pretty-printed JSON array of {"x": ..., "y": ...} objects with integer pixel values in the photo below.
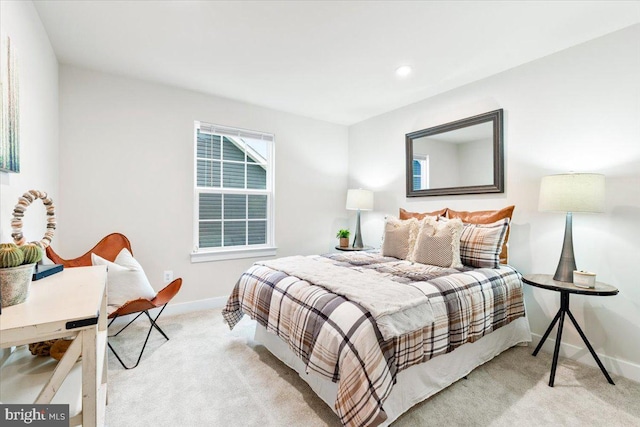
[{"x": 397, "y": 308}]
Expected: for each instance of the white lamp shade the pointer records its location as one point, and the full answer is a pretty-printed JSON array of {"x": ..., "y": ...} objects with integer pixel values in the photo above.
[
  {"x": 360, "y": 200},
  {"x": 572, "y": 192}
]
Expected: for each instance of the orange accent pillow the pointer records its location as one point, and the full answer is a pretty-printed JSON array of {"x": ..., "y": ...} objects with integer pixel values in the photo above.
[
  {"x": 420, "y": 215},
  {"x": 487, "y": 217}
]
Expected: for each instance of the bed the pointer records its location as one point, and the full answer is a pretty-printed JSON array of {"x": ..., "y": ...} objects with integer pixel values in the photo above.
[{"x": 367, "y": 356}]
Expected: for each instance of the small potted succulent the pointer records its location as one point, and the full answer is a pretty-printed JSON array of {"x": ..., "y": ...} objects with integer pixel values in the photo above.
[
  {"x": 16, "y": 270},
  {"x": 343, "y": 235}
]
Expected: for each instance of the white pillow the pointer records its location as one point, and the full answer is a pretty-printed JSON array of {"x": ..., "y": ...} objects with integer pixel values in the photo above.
[
  {"x": 125, "y": 279},
  {"x": 399, "y": 237},
  {"x": 438, "y": 243}
]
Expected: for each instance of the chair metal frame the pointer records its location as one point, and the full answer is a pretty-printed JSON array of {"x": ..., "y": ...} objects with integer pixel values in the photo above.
[
  {"x": 109, "y": 248},
  {"x": 153, "y": 325}
]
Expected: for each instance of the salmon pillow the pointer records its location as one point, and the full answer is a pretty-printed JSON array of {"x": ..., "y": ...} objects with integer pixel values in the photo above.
[{"x": 420, "y": 215}]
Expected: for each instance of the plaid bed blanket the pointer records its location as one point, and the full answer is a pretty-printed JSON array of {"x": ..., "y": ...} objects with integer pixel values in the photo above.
[{"x": 340, "y": 340}]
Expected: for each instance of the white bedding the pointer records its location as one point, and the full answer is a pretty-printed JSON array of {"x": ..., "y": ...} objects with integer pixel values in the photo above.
[
  {"x": 418, "y": 382},
  {"x": 339, "y": 340},
  {"x": 397, "y": 308}
]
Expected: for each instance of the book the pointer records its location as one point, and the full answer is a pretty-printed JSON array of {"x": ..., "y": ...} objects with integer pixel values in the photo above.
[{"x": 42, "y": 271}]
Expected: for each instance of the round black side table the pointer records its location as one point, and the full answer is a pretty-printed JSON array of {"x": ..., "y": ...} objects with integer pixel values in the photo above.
[{"x": 545, "y": 281}]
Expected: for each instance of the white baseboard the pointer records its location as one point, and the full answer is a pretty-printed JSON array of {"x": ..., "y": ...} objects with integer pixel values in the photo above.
[
  {"x": 581, "y": 354},
  {"x": 188, "y": 307},
  {"x": 181, "y": 308}
]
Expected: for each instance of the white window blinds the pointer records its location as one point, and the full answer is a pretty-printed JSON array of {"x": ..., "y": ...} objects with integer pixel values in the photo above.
[{"x": 234, "y": 188}]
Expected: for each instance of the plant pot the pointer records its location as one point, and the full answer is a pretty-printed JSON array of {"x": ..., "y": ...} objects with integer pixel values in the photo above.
[
  {"x": 344, "y": 242},
  {"x": 15, "y": 283}
]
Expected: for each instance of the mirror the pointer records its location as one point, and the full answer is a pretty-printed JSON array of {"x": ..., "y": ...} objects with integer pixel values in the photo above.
[{"x": 461, "y": 157}]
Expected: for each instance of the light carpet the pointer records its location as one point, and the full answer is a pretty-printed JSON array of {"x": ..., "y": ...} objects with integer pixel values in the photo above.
[{"x": 206, "y": 375}]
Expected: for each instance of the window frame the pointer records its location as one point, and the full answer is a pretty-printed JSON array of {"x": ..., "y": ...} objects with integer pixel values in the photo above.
[
  {"x": 423, "y": 160},
  {"x": 241, "y": 251}
]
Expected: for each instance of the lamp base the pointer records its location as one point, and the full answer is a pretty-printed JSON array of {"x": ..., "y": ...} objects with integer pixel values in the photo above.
[
  {"x": 357, "y": 239},
  {"x": 567, "y": 263}
]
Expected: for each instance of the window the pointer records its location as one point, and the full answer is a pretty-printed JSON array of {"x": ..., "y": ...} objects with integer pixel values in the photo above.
[
  {"x": 233, "y": 193},
  {"x": 421, "y": 172}
]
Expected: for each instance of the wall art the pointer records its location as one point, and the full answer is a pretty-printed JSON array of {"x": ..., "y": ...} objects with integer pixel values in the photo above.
[{"x": 10, "y": 109}]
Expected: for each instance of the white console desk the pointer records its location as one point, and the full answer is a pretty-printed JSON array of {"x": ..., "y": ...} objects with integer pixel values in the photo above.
[{"x": 72, "y": 303}]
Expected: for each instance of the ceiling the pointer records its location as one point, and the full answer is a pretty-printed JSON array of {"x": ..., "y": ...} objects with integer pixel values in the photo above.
[{"x": 328, "y": 60}]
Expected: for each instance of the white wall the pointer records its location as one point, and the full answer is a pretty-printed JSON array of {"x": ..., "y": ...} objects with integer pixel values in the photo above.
[
  {"x": 577, "y": 110},
  {"x": 476, "y": 162},
  {"x": 38, "y": 80},
  {"x": 126, "y": 165},
  {"x": 443, "y": 157}
]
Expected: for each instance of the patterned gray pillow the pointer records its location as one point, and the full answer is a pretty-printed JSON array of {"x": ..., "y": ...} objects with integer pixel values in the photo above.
[
  {"x": 399, "y": 237},
  {"x": 438, "y": 243}
]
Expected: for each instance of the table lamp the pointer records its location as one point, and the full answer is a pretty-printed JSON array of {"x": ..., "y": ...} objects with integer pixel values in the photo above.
[
  {"x": 359, "y": 200},
  {"x": 572, "y": 192}
]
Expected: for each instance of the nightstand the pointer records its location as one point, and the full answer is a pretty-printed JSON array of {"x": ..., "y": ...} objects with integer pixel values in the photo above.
[
  {"x": 351, "y": 248},
  {"x": 545, "y": 281}
]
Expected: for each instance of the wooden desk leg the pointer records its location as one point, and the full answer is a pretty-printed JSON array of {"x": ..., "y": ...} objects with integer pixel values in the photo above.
[
  {"x": 61, "y": 372},
  {"x": 102, "y": 329},
  {"x": 89, "y": 378}
]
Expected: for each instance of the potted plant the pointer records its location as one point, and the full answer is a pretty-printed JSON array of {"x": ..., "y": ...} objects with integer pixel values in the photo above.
[
  {"x": 16, "y": 270},
  {"x": 343, "y": 235}
]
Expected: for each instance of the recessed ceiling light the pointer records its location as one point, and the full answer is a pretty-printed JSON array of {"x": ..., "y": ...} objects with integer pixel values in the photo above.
[{"x": 403, "y": 71}]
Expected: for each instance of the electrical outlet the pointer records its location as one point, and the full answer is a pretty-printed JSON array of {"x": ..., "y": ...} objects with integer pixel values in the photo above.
[{"x": 168, "y": 276}]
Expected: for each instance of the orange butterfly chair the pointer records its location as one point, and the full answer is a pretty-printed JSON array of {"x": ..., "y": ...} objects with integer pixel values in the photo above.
[{"x": 109, "y": 248}]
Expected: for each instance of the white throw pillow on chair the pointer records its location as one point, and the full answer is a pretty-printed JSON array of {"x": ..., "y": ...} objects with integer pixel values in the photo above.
[{"x": 125, "y": 279}]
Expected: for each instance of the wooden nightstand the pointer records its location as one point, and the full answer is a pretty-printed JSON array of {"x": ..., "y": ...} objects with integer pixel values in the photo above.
[{"x": 545, "y": 281}]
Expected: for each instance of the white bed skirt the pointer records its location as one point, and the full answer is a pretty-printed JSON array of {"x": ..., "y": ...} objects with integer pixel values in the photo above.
[{"x": 418, "y": 382}]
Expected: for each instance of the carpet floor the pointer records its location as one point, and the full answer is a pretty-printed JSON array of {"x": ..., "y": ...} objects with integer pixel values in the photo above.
[{"x": 206, "y": 375}]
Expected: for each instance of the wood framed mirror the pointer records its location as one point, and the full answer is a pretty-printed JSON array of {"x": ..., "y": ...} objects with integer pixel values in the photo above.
[{"x": 461, "y": 157}]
